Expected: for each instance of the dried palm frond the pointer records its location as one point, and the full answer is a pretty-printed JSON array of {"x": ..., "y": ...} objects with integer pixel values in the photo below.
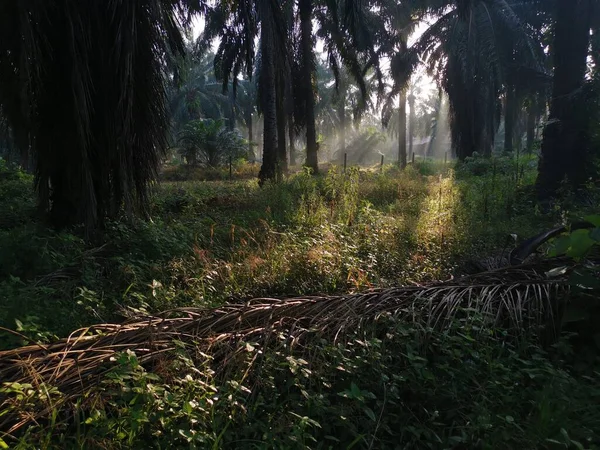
[{"x": 517, "y": 298}]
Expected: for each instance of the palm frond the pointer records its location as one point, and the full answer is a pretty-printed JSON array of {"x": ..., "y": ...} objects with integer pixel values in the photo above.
[{"x": 518, "y": 298}]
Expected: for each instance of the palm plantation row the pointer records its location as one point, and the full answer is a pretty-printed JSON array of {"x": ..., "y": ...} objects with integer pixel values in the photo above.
[{"x": 85, "y": 91}]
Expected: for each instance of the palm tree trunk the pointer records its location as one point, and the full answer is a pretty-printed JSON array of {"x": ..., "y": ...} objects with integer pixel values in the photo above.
[
  {"x": 250, "y": 138},
  {"x": 531, "y": 125},
  {"x": 268, "y": 100},
  {"x": 411, "y": 123},
  {"x": 306, "y": 37},
  {"x": 562, "y": 151},
  {"x": 510, "y": 117},
  {"x": 402, "y": 131},
  {"x": 281, "y": 122},
  {"x": 342, "y": 116},
  {"x": 292, "y": 140}
]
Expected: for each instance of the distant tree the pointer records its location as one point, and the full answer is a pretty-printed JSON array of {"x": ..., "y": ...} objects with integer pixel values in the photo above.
[
  {"x": 340, "y": 103},
  {"x": 244, "y": 103},
  {"x": 343, "y": 26},
  {"x": 238, "y": 29},
  {"x": 6, "y": 142},
  {"x": 307, "y": 80},
  {"x": 471, "y": 47},
  {"x": 196, "y": 93},
  {"x": 210, "y": 143}
]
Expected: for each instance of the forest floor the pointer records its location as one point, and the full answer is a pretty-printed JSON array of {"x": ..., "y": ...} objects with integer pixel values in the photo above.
[{"x": 227, "y": 241}]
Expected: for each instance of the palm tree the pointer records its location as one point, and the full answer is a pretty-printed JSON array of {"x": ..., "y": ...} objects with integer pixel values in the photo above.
[
  {"x": 400, "y": 21},
  {"x": 197, "y": 93},
  {"x": 411, "y": 121},
  {"x": 92, "y": 101},
  {"x": 564, "y": 146},
  {"x": 245, "y": 106},
  {"x": 343, "y": 27},
  {"x": 209, "y": 142},
  {"x": 307, "y": 77},
  {"x": 339, "y": 101},
  {"x": 238, "y": 28},
  {"x": 471, "y": 48}
]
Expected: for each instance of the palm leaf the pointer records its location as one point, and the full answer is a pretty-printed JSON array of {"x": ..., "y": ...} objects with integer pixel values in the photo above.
[{"x": 518, "y": 298}]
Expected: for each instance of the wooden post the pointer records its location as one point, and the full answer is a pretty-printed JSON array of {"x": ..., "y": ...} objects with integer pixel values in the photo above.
[
  {"x": 445, "y": 157},
  {"x": 230, "y": 169},
  {"x": 381, "y": 167},
  {"x": 345, "y": 161},
  {"x": 413, "y": 158}
]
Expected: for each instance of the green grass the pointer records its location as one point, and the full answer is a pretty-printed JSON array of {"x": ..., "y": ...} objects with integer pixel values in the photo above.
[{"x": 210, "y": 242}]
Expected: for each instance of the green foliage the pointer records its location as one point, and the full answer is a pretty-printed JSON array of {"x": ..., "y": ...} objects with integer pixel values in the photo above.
[
  {"x": 208, "y": 142},
  {"x": 579, "y": 243},
  {"x": 16, "y": 196},
  {"x": 210, "y": 242},
  {"x": 384, "y": 387}
]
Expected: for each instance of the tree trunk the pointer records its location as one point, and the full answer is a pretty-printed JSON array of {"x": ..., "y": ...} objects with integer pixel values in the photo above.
[
  {"x": 250, "y": 139},
  {"x": 268, "y": 100},
  {"x": 563, "y": 152},
  {"x": 292, "y": 140},
  {"x": 510, "y": 110},
  {"x": 281, "y": 122},
  {"x": 531, "y": 124},
  {"x": 306, "y": 37},
  {"x": 411, "y": 123},
  {"x": 402, "y": 131},
  {"x": 342, "y": 117}
]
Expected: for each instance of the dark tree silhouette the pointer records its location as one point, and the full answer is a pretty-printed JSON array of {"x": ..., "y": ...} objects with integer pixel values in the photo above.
[
  {"x": 83, "y": 88},
  {"x": 563, "y": 146}
]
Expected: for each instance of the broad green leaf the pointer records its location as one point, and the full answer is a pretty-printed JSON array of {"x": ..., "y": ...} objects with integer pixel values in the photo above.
[
  {"x": 3, "y": 444},
  {"x": 561, "y": 245},
  {"x": 593, "y": 219},
  {"x": 369, "y": 412},
  {"x": 580, "y": 243}
]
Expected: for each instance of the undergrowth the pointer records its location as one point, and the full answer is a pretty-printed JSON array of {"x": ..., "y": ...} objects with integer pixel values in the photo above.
[
  {"x": 211, "y": 242},
  {"x": 218, "y": 241},
  {"x": 388, "y": 387}
]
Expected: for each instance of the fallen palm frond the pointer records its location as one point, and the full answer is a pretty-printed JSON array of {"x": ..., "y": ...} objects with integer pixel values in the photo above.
[{"x": 516, "y": 297}]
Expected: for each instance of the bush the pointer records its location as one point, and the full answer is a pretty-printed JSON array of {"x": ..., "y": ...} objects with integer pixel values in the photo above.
[{"x": 17, "y": 202}]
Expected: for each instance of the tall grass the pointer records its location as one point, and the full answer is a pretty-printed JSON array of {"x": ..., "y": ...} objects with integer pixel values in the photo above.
[{"x": 210, "y": 242}]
